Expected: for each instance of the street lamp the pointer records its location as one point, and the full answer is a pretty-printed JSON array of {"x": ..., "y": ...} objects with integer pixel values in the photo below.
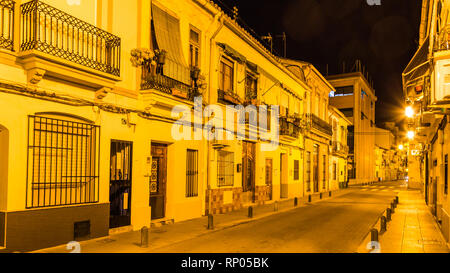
[
  {"x": 409, "y": 112},
  {"x": 400, "y": 147},
  {"x": 411, "y": 134}
]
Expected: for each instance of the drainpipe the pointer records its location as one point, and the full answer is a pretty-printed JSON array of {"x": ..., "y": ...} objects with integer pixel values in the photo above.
[
  {"x": 219, "y": 18},
  {"x": 433, "y": 29}
]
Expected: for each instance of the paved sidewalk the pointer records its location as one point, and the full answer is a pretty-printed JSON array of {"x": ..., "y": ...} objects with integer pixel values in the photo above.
[
  {"x": 129, "y": 242},
  {"x": 412, "y": 229}
]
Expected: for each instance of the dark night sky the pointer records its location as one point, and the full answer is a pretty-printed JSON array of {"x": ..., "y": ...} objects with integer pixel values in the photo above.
[{"x": 335, "y": 31}]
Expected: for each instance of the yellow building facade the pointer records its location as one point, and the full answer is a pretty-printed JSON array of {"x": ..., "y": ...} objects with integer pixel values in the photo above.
[{"x": 89, "y": 96}]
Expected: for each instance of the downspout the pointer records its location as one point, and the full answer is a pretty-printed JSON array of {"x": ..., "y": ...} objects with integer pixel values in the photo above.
[
  {"x": 432, "y": 30},
  {"x": 219, "y": 18}
]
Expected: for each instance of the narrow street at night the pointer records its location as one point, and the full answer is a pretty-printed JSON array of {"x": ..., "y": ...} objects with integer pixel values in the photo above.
[{"x": 336, "y": 225}]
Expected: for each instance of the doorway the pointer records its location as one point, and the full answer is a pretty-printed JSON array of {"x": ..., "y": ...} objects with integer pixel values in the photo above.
[
  {"x": 158, "y": 181},
  {"x": 4, "y": 154},
  {"x": 120, "y": 183},
  {"x": 248, "y": 170},
  {"x": 316, "y": 168},
  {"x": 269, "y": 177},
  {"x": 283, "y": 175}
]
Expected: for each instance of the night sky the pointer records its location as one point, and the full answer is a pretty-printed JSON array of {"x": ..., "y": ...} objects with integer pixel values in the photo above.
[{"x": 331, "y": 32}]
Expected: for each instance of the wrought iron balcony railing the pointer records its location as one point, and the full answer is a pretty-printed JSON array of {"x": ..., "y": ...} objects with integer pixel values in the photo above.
[
  {"x": 288, "y": 128},
  {"x": 340, "y": 148},
  {"x": 158, "y": 81},
  {"x": 52, "y": 31},
  {"x": 7, "y": 24},
  {"x": 317, "y": 123}
]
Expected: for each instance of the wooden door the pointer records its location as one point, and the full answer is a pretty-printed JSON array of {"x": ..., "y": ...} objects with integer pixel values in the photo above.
[{"x": 158, "y": 181}]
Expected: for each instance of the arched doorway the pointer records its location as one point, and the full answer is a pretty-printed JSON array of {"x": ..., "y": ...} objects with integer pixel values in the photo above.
[{"x": 4, "y": 152}]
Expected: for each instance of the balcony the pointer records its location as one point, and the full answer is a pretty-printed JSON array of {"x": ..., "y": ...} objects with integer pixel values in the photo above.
[
  {"x": 289, "y": 128},
  {"x": 314, "y": 122},
  {"x": 340, "y": 148},
  {"x": 7, "y": 24},
  {"x": 228, "y": 97},
  {"x": 153, "y": 80},
  {"x": 51, "y": 37}
]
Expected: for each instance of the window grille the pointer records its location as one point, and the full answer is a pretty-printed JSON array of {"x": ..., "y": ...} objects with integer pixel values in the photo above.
[
  {"x": 192, "y": 173},
  {"x": 225, "y": 169},
  {"x": 63, "y": 158},
  {"x": 296, "y": 170}
]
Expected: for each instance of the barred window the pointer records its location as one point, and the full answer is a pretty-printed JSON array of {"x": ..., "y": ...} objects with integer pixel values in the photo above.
[
  {"x": 225, "y": 169},
  {"x": 63, "y": 158},
  {"x": 334, "y": 171},
  {"x": 192, "y": 173},
  {"x": 296, "y": 170},
  {"x": 308, "y": 171}
]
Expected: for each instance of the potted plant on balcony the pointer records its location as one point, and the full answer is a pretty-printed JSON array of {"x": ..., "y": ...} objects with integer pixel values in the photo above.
[{"x": 231, "y": 97}]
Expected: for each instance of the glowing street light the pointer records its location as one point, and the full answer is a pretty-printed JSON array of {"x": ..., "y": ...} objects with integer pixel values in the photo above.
[
  {"x": 411, "y": 134},
  {"x": 409, "y": 112},
  {"x": 400, "y": 147}
]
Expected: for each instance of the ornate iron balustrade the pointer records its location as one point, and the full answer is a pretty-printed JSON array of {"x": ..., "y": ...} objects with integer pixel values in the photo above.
[
  {"x": 288, "y": 128},
  {"x": 158, "y": 81},
  {"x": 319, "y": 124},
  {"x": 338, "y": 147},
  {"x": 52, "y": 31},
  {"x": 7, "y": 24}
]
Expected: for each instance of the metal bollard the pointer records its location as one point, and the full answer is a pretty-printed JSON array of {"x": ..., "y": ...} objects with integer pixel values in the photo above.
[
  {"x": 383, "y": 224},
  {"x": 320, "y": 195},
  {"x": 210, "y": 221},
  {"x": 329, "y": 194},
  {"x": 275, "y": 207},
  {"x": 396, "y": 200},
  {"x": 144, "y": 237},
  {"x": 309, "y": 198},
  {"x": 388, "y": 215},
  {"x": 295, "y": 201},
  {"x": 374, "y": 235},
  {"x": 392, "y": 208},
  {"x": 250, "y": 212}
]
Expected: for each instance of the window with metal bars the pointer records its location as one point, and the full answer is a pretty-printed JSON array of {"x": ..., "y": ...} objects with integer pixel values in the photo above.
[
  {"x": 63, "y": 158},
  {"x": 225, "y": 169},
  {"x": 296, "y": 170},
  {"x": 192, "y": 173},
  {"x": 308, "y": 171}
]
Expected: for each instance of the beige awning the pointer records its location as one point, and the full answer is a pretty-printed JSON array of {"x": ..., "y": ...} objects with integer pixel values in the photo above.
[
  {"x": 168, "y": 37},
  {"x": 418, "y": 68}
]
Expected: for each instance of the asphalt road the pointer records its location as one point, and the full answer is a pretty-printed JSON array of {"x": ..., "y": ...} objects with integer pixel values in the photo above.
[{"x": 334, "y": 225}]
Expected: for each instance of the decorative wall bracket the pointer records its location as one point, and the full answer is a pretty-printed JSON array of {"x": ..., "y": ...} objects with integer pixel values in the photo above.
[{"x": 35, "y": 75}]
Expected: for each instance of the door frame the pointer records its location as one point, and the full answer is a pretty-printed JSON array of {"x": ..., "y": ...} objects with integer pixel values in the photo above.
[
  {"x": 130, "y": 180},
  {"x": 162, "y": 173}
]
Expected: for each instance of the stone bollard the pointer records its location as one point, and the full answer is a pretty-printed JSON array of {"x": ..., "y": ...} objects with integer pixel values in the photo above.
[
  {"x": 144, "y": 237},
  {"x": 374, "y": 235},
  {"x": 275, "y": 206},
  {"x": 295, "y": 201},
  {"x": 388, "y": 215},
  {"x": 210, "y": 221},
  {"x": 392, "y": 208},
  {"x": 309, "y": 198},
  {"x": 250, "y": 212},
  {"x": 383, "y": 224}
]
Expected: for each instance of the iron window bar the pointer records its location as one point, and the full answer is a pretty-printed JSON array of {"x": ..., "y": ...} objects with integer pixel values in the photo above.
[
  {"x": 319, "y": 124},
  {"x": 192, "y": 173},
  {"x": 225, "y": 169},
  {"x": 63, "y": 158},
  {"x": 52, "y": 31},
  {"x": 7, "y": 24}
]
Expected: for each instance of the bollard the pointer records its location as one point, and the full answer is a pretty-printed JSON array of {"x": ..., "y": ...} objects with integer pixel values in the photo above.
[
  {"x": 383, "y": 224},
  {"x": 250, "y": 212},
  {"x": 295, "y": 201},
  {"x": 374, "y": 235},
  {"x": 392, "y": 208},
  {"x": 309, "y": 198},
  {"x": 275, "y": 207},
  {"x": 210, "y": 221},
  {"x": 396, "y": 200},
  {"x": 320, "y": 195},
  {"x": 144, "y": 237},
  {"x": 395, "y": 204},
  {"x": 388, "y": 215},
  {"x": 329, "y": 194}
]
